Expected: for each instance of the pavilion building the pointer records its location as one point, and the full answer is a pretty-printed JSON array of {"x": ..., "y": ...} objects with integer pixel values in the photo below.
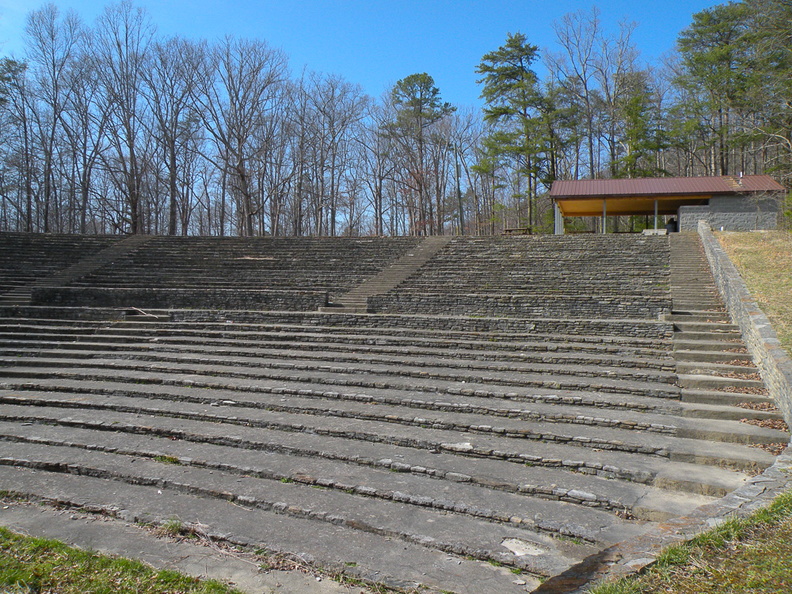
[{"x": 731, "y": 203}]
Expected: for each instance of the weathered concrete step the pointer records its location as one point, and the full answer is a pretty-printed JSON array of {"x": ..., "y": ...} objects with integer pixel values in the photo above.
[
  {"x": 459, "y": 414},
  {"x": 377, "y": 363},
  {"x": 710, "y": 327},
  {"x": 475, "y": 397},
  {"x": 683, "y": 343},
  {"x": 733, "y": 338},
  {"x": 341, "y": 421},
  {"x": 365, "y": 556},
  {"x": 446, "y": 531},
  {"x": 700, "y": 367},
  {"x": 726, "y": 411},
  {"x": 431, "y": 395},
  {"x": 697, "y": 304},
  {"x": 591, "y": 503},
  {"x": 348, "y": 374},
  {"x": 703, "y": 316},
  {"x": 371, "y": 331},
  {"x": 389, "y": 326},
  {"x": 373, "y": 404},
  {"x": 529, "y": 474},
  {"x": 713, "y": 382},
  {"x": 437, "y": 522},
  {"x": 546, "y": 449},
  {"x": 712, "y": 356},
  {"x": 663, "y": 361},
  {"x": 708, "y": 294},
  {"x": 492, "y": 344},
  {"x": 705, "y": 396}
]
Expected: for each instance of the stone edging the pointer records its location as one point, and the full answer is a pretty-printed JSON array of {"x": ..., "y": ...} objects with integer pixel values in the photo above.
[
  {"x": 760, "y": 338},
  {"x": 632, "y": 555}
]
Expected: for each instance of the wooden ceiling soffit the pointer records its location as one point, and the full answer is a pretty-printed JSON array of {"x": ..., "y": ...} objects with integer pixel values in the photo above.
[{"x": 624, "y": 205}]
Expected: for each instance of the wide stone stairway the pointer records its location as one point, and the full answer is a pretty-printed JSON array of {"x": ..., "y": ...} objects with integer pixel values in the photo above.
[{"x": 417, "y": 450}]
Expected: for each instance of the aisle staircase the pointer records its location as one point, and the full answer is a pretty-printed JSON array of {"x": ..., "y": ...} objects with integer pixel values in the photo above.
[
  {"x": 714, "y": 367},
  {"x": 356, "y": 300},
  {"x": 82, "y": 267}
]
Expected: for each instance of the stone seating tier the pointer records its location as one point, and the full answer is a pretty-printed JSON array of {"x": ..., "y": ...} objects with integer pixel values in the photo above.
[
  {"x": 324, "y": 264},
  {"x": 576, "y": 277},
  {"x": 26, "y": 257},
  {"x": 159, "y": 298}
]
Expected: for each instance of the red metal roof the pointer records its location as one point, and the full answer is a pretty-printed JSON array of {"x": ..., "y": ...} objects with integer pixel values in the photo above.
[{"x": 663, "y": 186}]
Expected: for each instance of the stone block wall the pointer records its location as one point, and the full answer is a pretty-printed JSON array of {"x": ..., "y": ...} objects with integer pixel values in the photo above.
[
  {"x": 580, "y": 328},
  {"x": 732, "y": 213},
  {"x": 527, "y": 306},
  {"x": 158, "y": 298},
  {"x": 760, "y": 338}
]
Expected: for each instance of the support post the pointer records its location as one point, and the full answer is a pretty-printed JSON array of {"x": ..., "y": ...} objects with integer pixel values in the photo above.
[
  {"x": 655, "y": 216},
  {"x": 558, "y": 220},
  {"x": 604, "y": 216}
]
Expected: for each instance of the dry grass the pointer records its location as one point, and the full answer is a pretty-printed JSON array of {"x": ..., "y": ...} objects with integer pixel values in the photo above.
[{"x": 764, "y": 259}]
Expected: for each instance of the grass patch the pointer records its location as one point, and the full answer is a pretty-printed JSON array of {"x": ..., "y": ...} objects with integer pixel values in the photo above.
[
  {"x": 764, "y": 259},
  {"x": 172, "y": 528},
  {"x": 741, "y": 555},
  {"x": 29, "y": 565}
]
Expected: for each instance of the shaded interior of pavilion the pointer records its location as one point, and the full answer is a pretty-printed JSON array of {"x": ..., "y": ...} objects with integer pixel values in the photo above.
[{"x": 656, "y": 210}]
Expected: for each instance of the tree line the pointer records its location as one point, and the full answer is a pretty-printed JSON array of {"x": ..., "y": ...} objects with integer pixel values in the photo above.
[{"x": 110, "y": 128}]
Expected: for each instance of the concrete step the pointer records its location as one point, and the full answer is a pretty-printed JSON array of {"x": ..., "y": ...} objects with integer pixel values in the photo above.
[
  {"x": 454, "y": 411},
  {"x": 713, "y": 356},
  {"x": 710, "y": 343},
  {"x": 231, "y": 333},
  {"x": 330, "y": 351},
  {"x": 727, "y": 337},
  {"x": 342, "y": 373},
  {"x": 722, "y": 327},
  {"x": 495, "y": 491},
  {"x": 720, "y": 397},
  {"x": 458, "y": 533},
  {"x": 714, "y": 382},
  {"x": 429, "y": 364},
  {"x": 700, "y": 316},
  {"x": 636, "y": 457}
]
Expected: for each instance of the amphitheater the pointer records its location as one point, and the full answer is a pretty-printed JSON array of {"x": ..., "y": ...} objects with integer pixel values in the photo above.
[{"x": 457, "y": 414}]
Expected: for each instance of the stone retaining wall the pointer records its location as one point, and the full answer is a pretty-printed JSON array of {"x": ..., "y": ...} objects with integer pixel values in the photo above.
[
  {"x": 542, "y": 306},
  {"x": 760, "y": 338},
  {"x": 180, "y": 298},
  {"x": 650, "y": 329},
  {"x": 608, "y": 330}
]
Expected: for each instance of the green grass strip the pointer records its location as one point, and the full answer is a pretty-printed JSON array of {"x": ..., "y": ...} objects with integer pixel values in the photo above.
[{"x": 30, "y": 565}]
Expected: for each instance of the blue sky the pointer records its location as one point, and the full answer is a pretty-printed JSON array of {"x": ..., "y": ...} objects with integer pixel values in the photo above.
[{"x": 374, "y": 43}]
